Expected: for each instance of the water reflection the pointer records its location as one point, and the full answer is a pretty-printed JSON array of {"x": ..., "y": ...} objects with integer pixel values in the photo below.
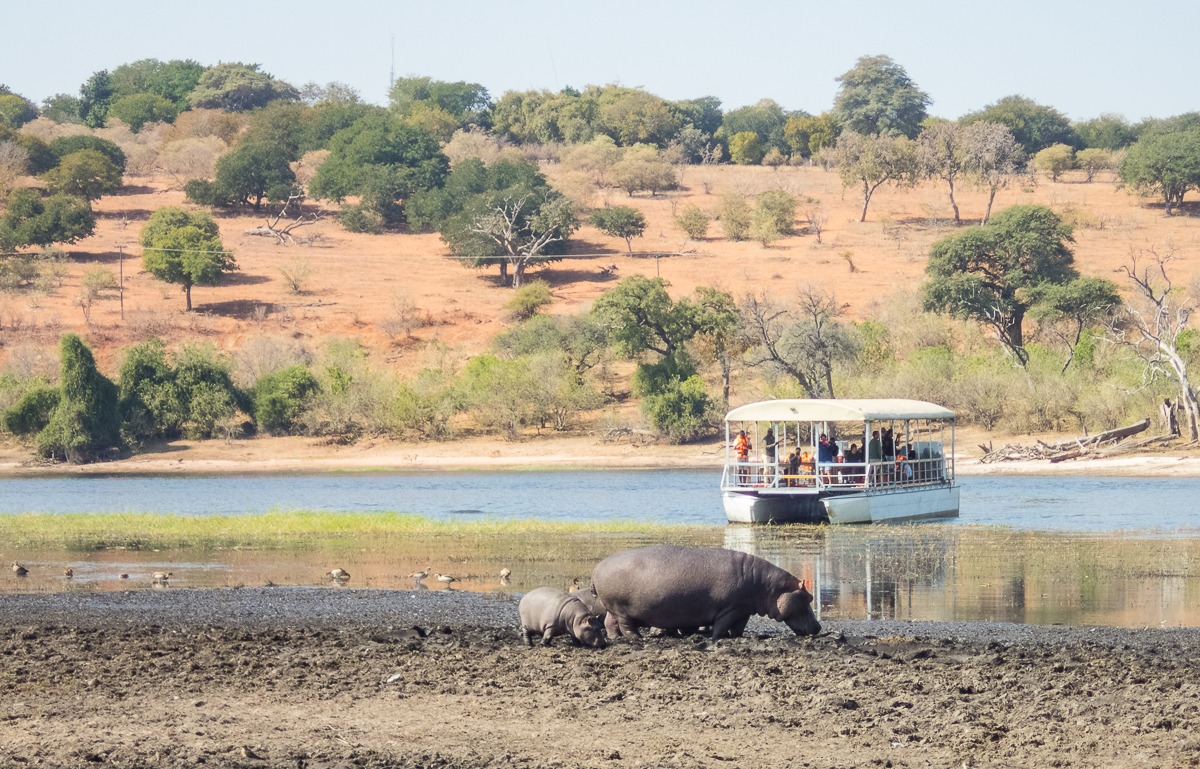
[{"x": 926, "y": 572}]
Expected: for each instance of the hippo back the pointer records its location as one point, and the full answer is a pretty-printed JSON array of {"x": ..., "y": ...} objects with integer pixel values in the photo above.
[{"x": 674, "y": 587}]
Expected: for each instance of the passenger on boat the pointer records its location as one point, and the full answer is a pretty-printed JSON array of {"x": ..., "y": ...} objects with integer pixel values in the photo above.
[
  {"x": 825, "y": 458},
  {"x": 793, "y": 468},
  {"x": 874, "y": 456},
  {"x": 741, "y": 445},
  {"x": 853, "y": 456},
  {"x": 769, "y": 444}
]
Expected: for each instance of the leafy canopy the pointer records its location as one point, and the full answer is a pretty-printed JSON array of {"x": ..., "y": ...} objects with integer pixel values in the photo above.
[{"x": 878, "y": 97}]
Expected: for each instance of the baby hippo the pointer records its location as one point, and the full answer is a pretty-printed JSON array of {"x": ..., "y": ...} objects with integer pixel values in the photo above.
[{"x": 548, "y": 612}]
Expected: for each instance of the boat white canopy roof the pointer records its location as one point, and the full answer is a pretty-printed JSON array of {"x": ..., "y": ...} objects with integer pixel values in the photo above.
[{"x": 843, "y": 410}]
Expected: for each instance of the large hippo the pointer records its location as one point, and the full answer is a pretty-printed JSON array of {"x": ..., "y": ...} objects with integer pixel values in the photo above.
[
  {"x": 677, "y": 588},
  {"x": 548, "y": 612}
]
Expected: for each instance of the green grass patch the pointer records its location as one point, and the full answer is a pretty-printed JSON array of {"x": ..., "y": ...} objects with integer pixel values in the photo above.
[{"x": 281, "y": 529}]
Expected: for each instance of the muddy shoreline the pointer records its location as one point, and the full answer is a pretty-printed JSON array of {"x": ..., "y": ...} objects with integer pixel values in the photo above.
[{"x": 324, "y": 677}]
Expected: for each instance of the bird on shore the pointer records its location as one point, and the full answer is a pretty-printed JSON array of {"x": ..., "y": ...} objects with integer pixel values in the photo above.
[
  {"x": 250, "y": 754},
  {"x": 69, "y": 573},
  {"x": 505, "y": 573},
  {"x": 162, "y": 576},
  {"x": 445, "y": 579},
  {"x": 341, "y": 575},
  {"x": 575, "y": 585},
  {"x": 19, "y": 570},
  {"x": 420, "y": 575},
  {"x": 124, "y": 576}
]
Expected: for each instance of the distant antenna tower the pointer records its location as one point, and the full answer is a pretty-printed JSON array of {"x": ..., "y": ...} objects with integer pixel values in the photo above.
[{"x": 392, "y": 72}]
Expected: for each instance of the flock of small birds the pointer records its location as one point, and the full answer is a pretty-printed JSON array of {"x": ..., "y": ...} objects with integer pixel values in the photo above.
[{"x": 337, "y": 575}]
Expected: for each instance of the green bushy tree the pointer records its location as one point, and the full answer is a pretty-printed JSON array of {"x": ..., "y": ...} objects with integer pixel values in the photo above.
[
  {"x": 31, "y": 220},
  {"x": 1165, "y": 161},
  {"x": 236, "y": 87},
  {"x": 620, "y": 222},
  {"x": 85, "y": 174},
  {"x": 185, "y": 251},
  {"x": 67, "y": 145},
  {"x": 142, "y": 108},
  {"x": 878, "y": 97},
  {"x": 87, "y": 419},
  {"x": 745, "y": 149},
  {"x": 1055, "y": 160},
  {"x": 278, "y": 399},
  {"x": 1034, "y": 126}
]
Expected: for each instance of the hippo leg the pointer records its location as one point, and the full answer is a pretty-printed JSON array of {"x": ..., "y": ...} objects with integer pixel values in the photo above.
[
  {"x": 629, "y": 626},
  {"x": 528, "y": 635},
  {"x": 547, "y": 636},
  {"x": 575, "y": 641},
  {"x": 732, "y": 624},
  {"x": 610, "y": 625}
]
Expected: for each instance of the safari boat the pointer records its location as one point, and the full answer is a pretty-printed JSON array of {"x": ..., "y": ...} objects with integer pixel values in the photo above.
[{"x": 902, "y": 471}]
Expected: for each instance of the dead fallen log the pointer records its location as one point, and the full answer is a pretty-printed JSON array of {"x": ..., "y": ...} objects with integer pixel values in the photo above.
[
  {"x": 1105, "y": 437},
  {"x": 1116, "y": 441}
]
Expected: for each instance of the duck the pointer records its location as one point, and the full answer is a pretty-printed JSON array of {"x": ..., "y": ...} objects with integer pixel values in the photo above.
[
  {"x": 69, "y": 573},
  {"x": 445, "y": 578},
  {"x": 124, "y": 576},
  {"x": 420, "y": 575},
  {"x": 19, "y": 570},
  {"x": 162, "y": 576},
  {"x": 575, "y": 585},
  {"x": 339, "y": 574}
]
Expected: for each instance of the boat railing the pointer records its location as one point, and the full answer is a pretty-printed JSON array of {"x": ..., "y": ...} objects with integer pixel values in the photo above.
[{"x": 876, "y": 475}]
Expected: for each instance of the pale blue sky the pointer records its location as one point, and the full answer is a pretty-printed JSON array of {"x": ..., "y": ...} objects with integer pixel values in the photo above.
[{"x": 1082, "y": 58}]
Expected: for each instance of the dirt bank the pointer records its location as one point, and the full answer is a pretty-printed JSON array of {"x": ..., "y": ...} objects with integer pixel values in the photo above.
[
  {"x": 298, "y": 454},
  {"x": 330, "y": 678}
]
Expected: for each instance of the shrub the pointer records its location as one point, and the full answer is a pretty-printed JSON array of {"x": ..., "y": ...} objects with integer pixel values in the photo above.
[
  {"x": 278, "y": 399},
  {"x": 87, "y": 174},
  {"x": 86, "y": 419},
  {"x": 360, "y": 218},
  {"x": 653, "y": 378},
  {"x": 680, "y": 410},
  {"x": 745, "y": 149},
  {"x": 69, "y": 145},
  {"x": 734, "y": 215},
  {"x": 780, "y": 207},
  {"x": 693, "y": 222},
  {"x": 529, "y": 298},
  {"x": 1055, "y": 160},
  {"x": 32, "y": 413}
]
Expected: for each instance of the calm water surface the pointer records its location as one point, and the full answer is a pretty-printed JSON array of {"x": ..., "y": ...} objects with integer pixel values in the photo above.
[
  {"x": 1083, "y": 551},
  {"x": 663, "y": 496}
]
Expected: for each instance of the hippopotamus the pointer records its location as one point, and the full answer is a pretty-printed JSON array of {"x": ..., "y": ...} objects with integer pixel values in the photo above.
[
  {"x": 683, "y": 588},
  {"x": 548, "y": 612},
  {"x": 589, "y": 598}
]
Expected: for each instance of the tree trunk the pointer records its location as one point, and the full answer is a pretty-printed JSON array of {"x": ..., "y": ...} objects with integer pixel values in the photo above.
[
  {"x": 518, "y": 273},
  {"x": 866, "y": 202},
  {"x": 988, "y": 215},
  {"x": 187, "y": 290},
  {"x": 629, "y": 244},
  {"x": 954, "y": 205},
  {"x": 504, "y": 271},
  {"x": 1187, "y": 397}
]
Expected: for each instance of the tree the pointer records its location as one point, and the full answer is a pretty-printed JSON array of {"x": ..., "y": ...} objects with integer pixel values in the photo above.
[
  {"x": 87, "y": 418},
  {"x": 1107, "y": 132},
  {"x": 236, "y": 87},
  {"x": 1066, "y": 310},
  {"x": 642, "y": 168},
  {"x": 878, "y": 97},
  {"x": 943, "y": 154},
  {"x": 187, "y": 255},
  {"x": 734, "y": 215},
  {"x": 523, "y": 223},
  {"x": 1055, "y": 160},
  {"x": 993, "y": 158},
  {"x": 641, "y": 316},
  {"x": 807, "y": 136},
  {"x": 332, "y": 93},
  {"x": 632, "y": 116},
  {"x": 693, "y": 222},
  {"x": 1093, "y": 160},
  {"x": 745, "y": 149},
  {"x": 382, "y": 159},
  {"x": 467, "y": 102},
  {"x": 620, "y": 222},
  {"x": 62, "y": 108},
  {"x": 172, "y": 80},
  {"x": 986, "y": 273},
  {"x": 803, "y": 341},
  {"x": 873, "y": 161},
  {"x": 15, "y": 110},
  {"x": 253, "y": 172},
  {"x": 1155, "y": 328},
  {"x": 169, "y": 218},
  {"x": 41, "y": 158},
  {"x": 780, "y": 208},
  {"x": 86, "y": 174},
  {"x": 67, "y": 145},
  {"x": 31, "y": 220},
  {"x": 1034, "y": 126},
  {"x": 277, "y": 399},
  {"x": 765, "y": 118},
  {"x": 142, "y": 108},
  {"x": 1165, "y": 161},
  {"x": 95, "y": 96}
]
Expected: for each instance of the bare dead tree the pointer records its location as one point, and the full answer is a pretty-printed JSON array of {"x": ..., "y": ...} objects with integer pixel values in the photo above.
[
  {"x": 284, "y": 234},
  {"x": 1151, "y": 331},
  {"x": 803, "y": 339}
]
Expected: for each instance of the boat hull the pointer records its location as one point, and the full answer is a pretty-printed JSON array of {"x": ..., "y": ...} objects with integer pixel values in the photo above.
[{"x": 756, "y": 506}]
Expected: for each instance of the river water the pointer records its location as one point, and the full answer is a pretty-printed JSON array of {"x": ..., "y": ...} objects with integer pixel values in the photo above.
[{"x": 1082, "y": 551}]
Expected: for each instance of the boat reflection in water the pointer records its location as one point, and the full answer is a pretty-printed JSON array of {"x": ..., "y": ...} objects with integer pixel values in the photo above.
[{"x": 965, "y": 574}]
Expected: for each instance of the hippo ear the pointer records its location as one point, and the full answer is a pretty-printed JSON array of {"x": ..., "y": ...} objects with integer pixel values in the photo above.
[{"x": 789, "y": 605}]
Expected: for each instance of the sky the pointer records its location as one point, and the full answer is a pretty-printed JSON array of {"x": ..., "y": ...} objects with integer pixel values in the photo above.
[{"x": 1085, "y": 59}]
